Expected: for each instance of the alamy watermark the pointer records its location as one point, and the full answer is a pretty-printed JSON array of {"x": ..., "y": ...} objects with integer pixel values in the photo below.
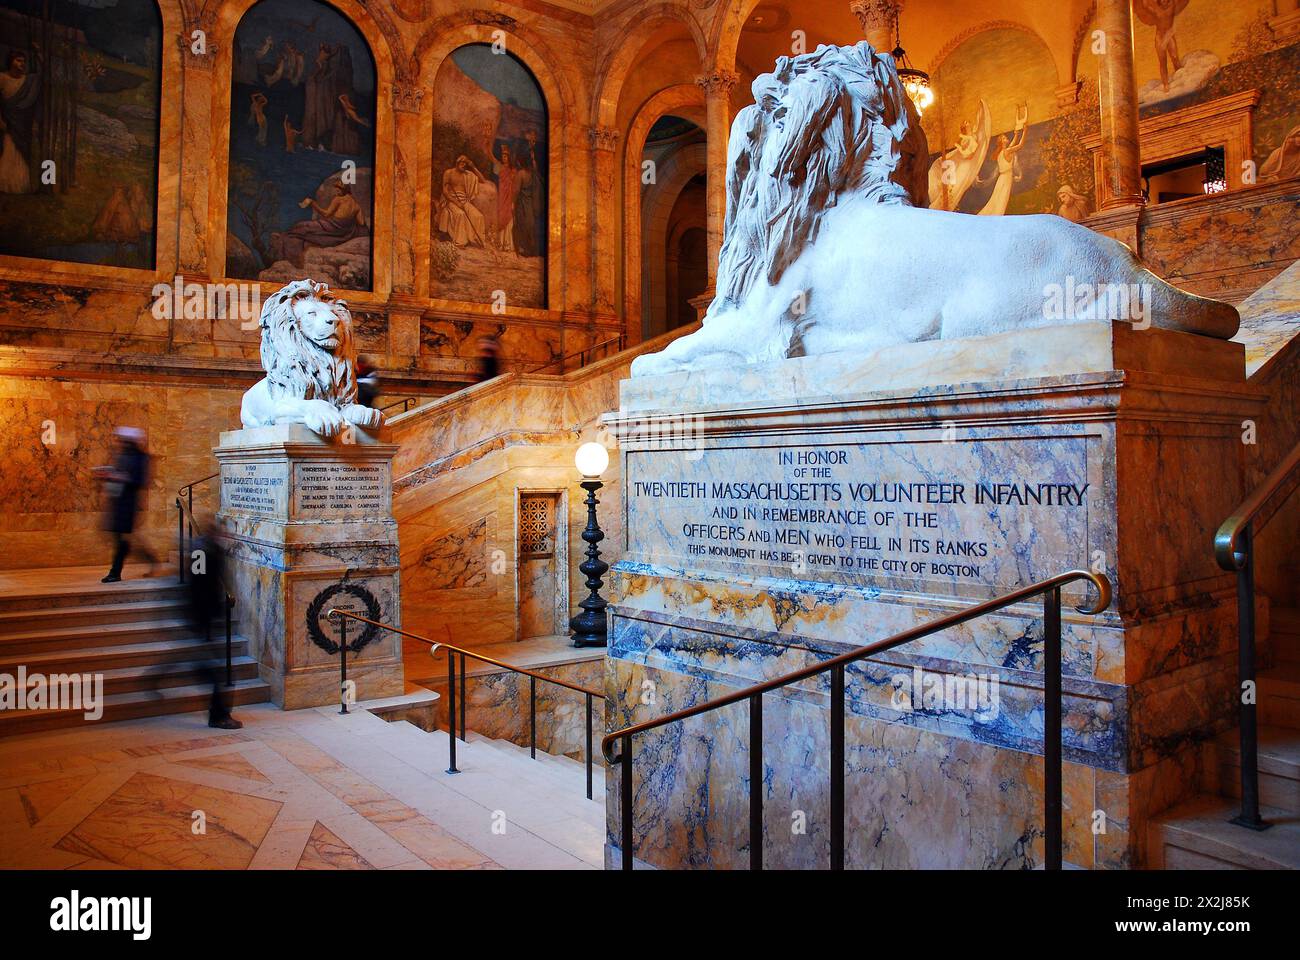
[
  {"x": 57, "y": 691},
  {"x": 1098, "y": 301},
  {"x": 179, "y": 300},
  {"x": 938, "y": 693}
]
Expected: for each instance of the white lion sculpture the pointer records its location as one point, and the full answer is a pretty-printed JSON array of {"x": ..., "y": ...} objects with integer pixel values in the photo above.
[
  {"x": 310, "y": 364},
  {"x": 827, "y": 247}
]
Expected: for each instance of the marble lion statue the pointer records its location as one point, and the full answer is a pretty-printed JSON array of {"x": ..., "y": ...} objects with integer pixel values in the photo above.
[
  {"x": 310, "y": 364},
  {"x": 828, "y": 247}
]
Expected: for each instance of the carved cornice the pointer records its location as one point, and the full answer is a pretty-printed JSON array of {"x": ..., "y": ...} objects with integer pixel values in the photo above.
[
  {"x": 407, "y": 99},
  {"x": 486, "y": 18},
  {"x": 719, "y": 83},
  {"x": 603, "y": 138}
]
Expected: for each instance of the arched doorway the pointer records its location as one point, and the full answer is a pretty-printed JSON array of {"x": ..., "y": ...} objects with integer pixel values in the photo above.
[{"x": 673, "y": 205}]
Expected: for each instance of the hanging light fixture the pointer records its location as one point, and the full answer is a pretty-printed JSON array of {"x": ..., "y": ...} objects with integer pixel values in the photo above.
[{"x": 916, "y": 83}]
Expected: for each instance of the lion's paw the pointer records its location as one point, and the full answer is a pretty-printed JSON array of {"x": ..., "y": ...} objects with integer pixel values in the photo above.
[
  {"x": 324, "y": 418},
  {"x": 366, "y": 417}
]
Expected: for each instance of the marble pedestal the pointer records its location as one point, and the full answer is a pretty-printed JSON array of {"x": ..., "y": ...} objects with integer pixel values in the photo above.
[
  {"x": 777, "y": 515},
  {"x": 308, "y": 526}
]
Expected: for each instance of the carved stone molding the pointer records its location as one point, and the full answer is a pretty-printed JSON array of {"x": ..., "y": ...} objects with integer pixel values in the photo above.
[
  {"x": 603, "y": 138},
  {"x": 486, "y": 18},
  {"x": 407, "y": 99},
  {"x": 1067, "y": 94},
  {"x": 719, "y": 83}
]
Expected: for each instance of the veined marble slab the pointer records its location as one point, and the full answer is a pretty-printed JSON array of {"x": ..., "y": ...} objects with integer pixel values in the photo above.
[{"x": 1270, "y": 318}]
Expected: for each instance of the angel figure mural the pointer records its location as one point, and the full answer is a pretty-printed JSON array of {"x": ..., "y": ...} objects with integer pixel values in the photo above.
[
  {"x": 1160, "y": 14},
  {"x": 953, "y": 172},
  {"x": 1008, "y": 166}
]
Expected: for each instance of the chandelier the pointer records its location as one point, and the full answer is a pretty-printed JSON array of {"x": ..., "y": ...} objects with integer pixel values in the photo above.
[{"x": 916, "y": 83}]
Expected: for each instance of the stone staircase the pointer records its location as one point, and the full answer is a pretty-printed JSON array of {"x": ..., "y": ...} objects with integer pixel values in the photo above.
[
  {"x": 1197, "y": 834},
  {"x": 498, "y": 782},
  {"x": 133, "y": 634}
]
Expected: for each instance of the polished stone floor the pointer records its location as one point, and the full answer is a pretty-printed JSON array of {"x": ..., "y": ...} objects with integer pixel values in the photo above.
[{"x": 307, "y": 790}]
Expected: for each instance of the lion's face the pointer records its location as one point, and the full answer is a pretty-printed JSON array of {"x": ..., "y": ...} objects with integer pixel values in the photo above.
[{"x": 307, "y": 345}]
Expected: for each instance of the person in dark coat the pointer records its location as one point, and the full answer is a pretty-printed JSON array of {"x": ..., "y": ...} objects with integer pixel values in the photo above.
[
  {"x": 489, "y": 358},
  {"x": 207, "y": 602},
  {"x": 367, "y": 382},
  {"x": 123, "y": 482}
]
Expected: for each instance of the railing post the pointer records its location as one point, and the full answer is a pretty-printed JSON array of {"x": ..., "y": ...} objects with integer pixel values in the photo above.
[
  {"x": 756, "y": 782},
  {"x": 464, "y": 698},
  {"x": 588, "y": 746},
  {"x": 180, "y": 541},
  {"x": 626, "y": 751},
  {"x": 1052, "y": 729},
  {"x": 451, "y": 711},
  {"x": 1249, "y": 744},
  {"x": 837, "y": 767},
  {"x": 230, "y": 669},
  {"x": 532, "y": 717},
  {"x": 343, "y": 662}
]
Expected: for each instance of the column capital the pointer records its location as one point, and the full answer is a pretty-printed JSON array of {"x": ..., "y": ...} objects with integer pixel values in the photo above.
[
  {"x": 603, "y": 138},
  {"x": 719, "y": 83},
  {"x": 876, "y": 16},
  {"x": 407, "y": 99}
]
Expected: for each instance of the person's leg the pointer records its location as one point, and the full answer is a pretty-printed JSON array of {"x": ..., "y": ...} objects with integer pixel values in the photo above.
[{"x": 120, "y": 550}]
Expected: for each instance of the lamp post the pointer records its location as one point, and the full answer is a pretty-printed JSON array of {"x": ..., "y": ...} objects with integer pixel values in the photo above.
[{"x": 590, "y": 628}]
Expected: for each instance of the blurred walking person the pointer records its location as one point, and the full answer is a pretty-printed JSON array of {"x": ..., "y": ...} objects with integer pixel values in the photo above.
[
  {"x": 207, "y": 602},
  {"x": 123, "y": 482}
]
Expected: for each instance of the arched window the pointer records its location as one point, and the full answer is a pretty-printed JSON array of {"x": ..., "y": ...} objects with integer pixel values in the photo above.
[
  {"x": 79, "y": 92},
  {"x": 302, "y": 147},
  {"x": 490, "y": 179}
]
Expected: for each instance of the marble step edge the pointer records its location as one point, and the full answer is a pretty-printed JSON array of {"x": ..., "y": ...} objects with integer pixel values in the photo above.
[
  {"x": 111, "y": 633},
  {"x": 132, "y": 706},
  {"x": 121, "y": 655},
  {"x": 125, "y": 591},
  {"x": 568, "y": 775},
  {"x": 496, "y": 766},
  {"x": 131, "y": 611},
  {"x": 1202, "y": 826}
]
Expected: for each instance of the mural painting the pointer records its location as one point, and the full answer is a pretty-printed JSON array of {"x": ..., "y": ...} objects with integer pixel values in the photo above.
[
  {"x": 79, "y": 95},
  {"x": 302, "y": 147},
  {"x": 991, "y": 124},
  {"x": 490, "y": 179}
]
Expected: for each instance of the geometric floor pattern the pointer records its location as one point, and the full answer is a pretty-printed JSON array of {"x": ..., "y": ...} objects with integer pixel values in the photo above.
[{"x": 282, "y": 793}]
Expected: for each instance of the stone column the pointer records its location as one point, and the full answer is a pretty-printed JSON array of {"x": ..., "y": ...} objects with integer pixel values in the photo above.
[
  {"x": 717, "y": 102},
  {"x": 198, "y": 57},
  {"x": 603, "y": 142},
  {"x": 877, "y": 19},
  {"x": 1117, "y": 89},
  {"x": 408, "y": 237}
]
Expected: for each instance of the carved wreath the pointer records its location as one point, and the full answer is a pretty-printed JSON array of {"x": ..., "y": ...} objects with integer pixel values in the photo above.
[{"x": 321, "y": 602}]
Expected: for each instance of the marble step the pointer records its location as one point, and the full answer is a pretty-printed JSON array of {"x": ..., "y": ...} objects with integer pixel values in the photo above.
[
  {"x": 94, "y": 635},
  {"x": 117, "y": 656},
  {"x": 132, "y": 706},
  {"x": 1279, "y": 766},
  {"x": 563, "y": 772},
  {"x": 134, "y": 611},
  {"x": 537, "y": 835},
  {"x": 57, "y": 590},
  {"x": 506, "y": 782},
  {"x": 1279, "y": 695},
  {"x": 1198, "y": 835}
]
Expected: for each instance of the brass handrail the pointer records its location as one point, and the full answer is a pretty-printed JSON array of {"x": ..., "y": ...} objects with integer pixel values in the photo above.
[
  {"x": 1052, "y": 746},
  {"x": 189, "y": 487},
  {"x": 579, "y": 353},
  {"x": 1233, "y": 549},
  {"x": 1226, "y": 539},
  {"x": 452, "y": 650}
]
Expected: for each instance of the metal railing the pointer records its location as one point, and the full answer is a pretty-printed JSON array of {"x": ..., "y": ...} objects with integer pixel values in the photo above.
[
  {"x": 406, "y": 403},
  {"x": 1052, "y": 710},
  {"x": 184, "y": 521},
  {"x": 585, "y": 355},
  {"x": 343, "y": 616},
  {"x": 1234, "y": 550}
]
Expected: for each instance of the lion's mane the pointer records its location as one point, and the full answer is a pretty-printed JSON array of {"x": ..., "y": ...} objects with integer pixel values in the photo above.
[
  {"x": 789, "y": 159},
  {"x": 297, "y": 367}
]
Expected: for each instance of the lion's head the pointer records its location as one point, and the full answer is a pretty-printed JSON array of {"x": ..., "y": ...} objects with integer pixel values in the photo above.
[
  {"x": 307, "y": 348},
  {"x": 823, "y": 127}
]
